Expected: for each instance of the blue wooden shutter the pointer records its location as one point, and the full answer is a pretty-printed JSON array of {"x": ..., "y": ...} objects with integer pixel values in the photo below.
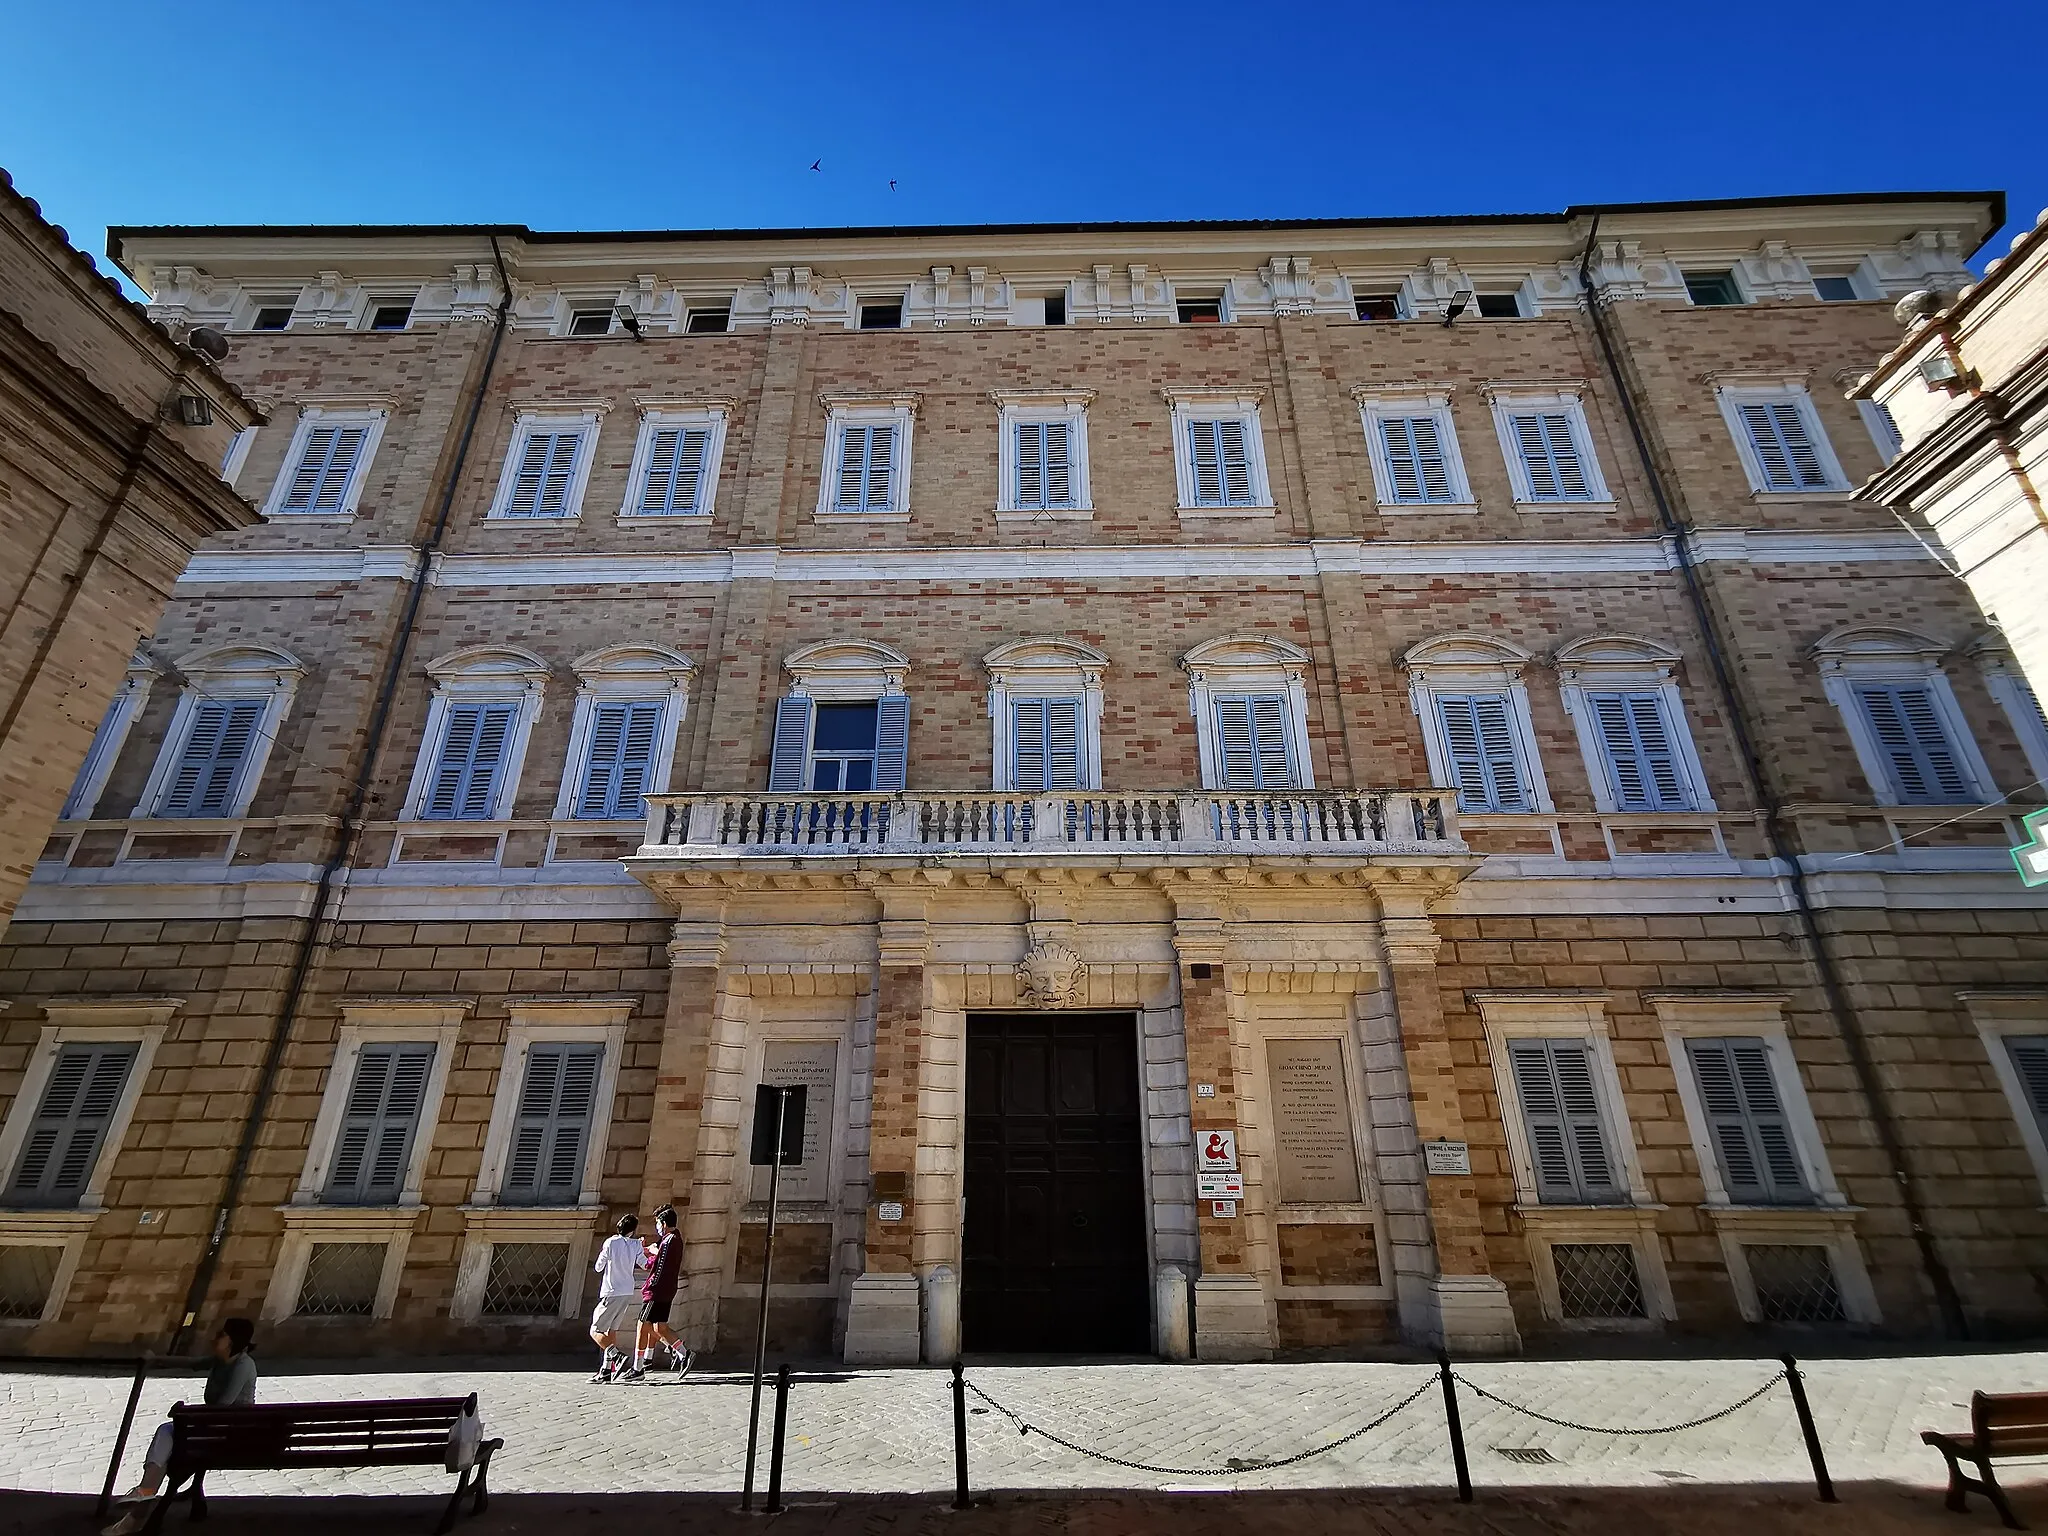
[
  {"x": 1642, "y": 766},
  {"x": 1550, "y": 454},
  {"x": 210, "y": 764},
  {"x": 892, "y": 743},
  {"x": 379, "y": 1120},
  {"x": 1045, "y": 744},
  {"x": 1479, "y": 739},
  {"x": 675, "y": 471},
  {"x": 1027, "y": 744},
  {"x": 1059, "y": 464},
  {"x": 1784, "y": 448},
  {"x": 465, "y": 782},
  {"x": 1233, "y": 442},
  {"x": 1561, "y": 1111},
  {"x": 1031, "y": 464},
  {"x": 63, "y": 1141},
  {"x": 2029, "y": 1055},
  {"x": 1252, "y": 742},
  {"x": 547, "y": 473},
  {"x": 1205, "y": 448},
  {"x": 867, "y": 469},
  {"x": 320, "y": 479},
  {"x": 1926, "y": 768},
  {"x": 620, "y": 765},
  {"x": 792, "y": 744},
  {"x": 1746, "y": 1120},
  {"x": 551, "y": 1133},
  {"x": 1416, "y": 462}
]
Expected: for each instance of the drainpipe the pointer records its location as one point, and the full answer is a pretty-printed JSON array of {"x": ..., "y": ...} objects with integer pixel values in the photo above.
[
  {"x": 1946, "y": 1300},
  {"x": 310, "y": 943}
]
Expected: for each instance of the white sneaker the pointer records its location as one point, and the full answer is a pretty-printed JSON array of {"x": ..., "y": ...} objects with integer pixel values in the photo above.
[{"x": 128, "y": 1524}]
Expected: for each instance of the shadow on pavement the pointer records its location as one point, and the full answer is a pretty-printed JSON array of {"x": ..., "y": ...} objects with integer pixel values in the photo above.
[{"x": 1691, "y": 1509}]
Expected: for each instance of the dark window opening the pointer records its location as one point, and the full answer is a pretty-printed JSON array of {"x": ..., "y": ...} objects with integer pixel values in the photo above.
[
  {"x": 709, "y": 322},
  {"x": 1500, "y": 306},
  {"x": 1712, "y": 288},
  {"x": 1200, "y": 311},
  {"x": 843, "y": 747},
  {"x": 391, "y": 315},
  {"x": 272, "y": 318},
  {"x": 1835, "y": 290},
  {"x": 1379, "y": 306},
  {"x": 1056, "y": 309},
  {"x": 590, "y": 322},
  {"x": 881, "y": 317}
]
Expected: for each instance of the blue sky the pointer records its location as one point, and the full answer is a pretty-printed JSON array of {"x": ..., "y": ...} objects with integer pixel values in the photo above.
[{"x": 675, "y": 116}]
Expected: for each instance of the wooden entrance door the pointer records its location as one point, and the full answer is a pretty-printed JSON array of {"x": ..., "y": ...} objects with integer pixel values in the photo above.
[{"x": 1055, "y": 1222}]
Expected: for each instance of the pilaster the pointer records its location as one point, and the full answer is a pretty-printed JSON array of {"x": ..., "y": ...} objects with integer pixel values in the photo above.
[{"x": 696, "y": 955}]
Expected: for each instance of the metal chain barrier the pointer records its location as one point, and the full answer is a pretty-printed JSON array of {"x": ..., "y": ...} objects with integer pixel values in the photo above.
[
  {"x": 1603, "y": 1429},
  {"x": 1236, "y": 1464}
]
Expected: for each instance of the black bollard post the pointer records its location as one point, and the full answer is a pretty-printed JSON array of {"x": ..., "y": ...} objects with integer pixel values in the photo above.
[
  {"x": 960, "y": 1498},
  {"x": 775, "y": 1449},
  {"x": 1443, "y": 1360},
  {"x": 121, "y": 1440},
  {"x": 1822, "y": 1483}
]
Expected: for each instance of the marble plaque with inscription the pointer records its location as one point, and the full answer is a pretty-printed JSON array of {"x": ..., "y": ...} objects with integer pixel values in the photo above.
[
  {"x": 1312, "y": 1122},
  {"x": 813, "y": 1063}
]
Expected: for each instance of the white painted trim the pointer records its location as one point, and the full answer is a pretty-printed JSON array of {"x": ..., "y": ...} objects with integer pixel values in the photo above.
[
  {"x": 1732, "y": 397},
  {"x": 310, "y": 417},
  {"x": 1621, "y": 662},
  {"x": 237, "y": 456},
  {"x": 1015, "y": 407},
  {"x": 1897, "y": 657},
  {"x": 304, "y": 1226},
  {"x": 526, "y": 422},
  {"x": 108, "y": 740},
  {"x": 652, "y": 419},
  {"x": 484, "y": 1229},
  {"x": 1375, "y": 406},
  {"x": 1545, "y": 1226},
  {"x": 480, "y": 675},
  {"x": 59, "y": 1229},
  {"x": 1046, "y": 669},
  {"x": 2006, "y": 685},
  {"x": 846, "y": 411},
  {"x": 143, "y": 1020},
  {"x": 846, "y": 670},
  {"x": 1192, "y": 404},
  {"x": 226, "y": 672},
  {"x": 382, "y": 1021},
  {"x": 1475, "y": 666},
  {"x": 1507, "y": 399},
  {"x": 1883, "y": 430},
  {"x": 1995, "y": 1016},
  {"x": 1237, "y": 664},
  {"x": 1805, "y": 1226},
  {"x": 625, "y": 673},
  {"x": 589, "y": 1021}
]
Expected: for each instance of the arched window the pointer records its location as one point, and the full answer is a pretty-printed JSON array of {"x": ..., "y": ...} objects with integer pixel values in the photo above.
[
  {"x": 629, "y": 701},
  {"x": 1909, "y": 733},
  {"x": 485, "y": 701},
  {"x": 1045, "y": 704},
  {"x": 844, "y": 725},
  {"x": 220, "y": 737},
  {"x": 1622, "y": 693},
  {"x": 1468, "y": 693},
  {"x": 1249, "y": 697}
]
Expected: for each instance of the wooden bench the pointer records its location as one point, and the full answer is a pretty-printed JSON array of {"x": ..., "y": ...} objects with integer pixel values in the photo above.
[
  {"x": 282, "y": 1437},
  {"x": 2002, "y": 1425}
]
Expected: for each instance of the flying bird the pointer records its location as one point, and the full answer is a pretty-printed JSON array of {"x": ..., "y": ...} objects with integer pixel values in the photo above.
[
  {"x": 892, "y": 186},
  {"x": 817, "y": 165}
]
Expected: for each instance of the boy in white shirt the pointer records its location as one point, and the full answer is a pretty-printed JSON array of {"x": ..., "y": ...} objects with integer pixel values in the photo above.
[{"x": 620, "y": 1261}]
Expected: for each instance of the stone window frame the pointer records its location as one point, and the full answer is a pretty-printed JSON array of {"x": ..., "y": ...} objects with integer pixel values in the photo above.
[
  {"x": 1883, "y": 653},
  {"x": 2014, "y": 694},
  {"x": 840, "y": 672},
  {"x": 1829, "y": 1221},
  {"x": 76, "y": 1021},
  {"x": 714, "y": 416},
  {"x": 1568, "y": 398},
  {"x": 1045, "y": 667},
  {"x": 1575, "y": 1015},
  {"x": 625, "y": 674},
  {"x": 223, "y": 673},
  {"x": 108, "y": 739},
  {"x": 899, "y": 410},
  {"x": 1016, "y": 407},
  {"x": 372, "y": 415},
  {"x": 583, "y": 417},
  {"x": 1630, "y": 663},
  {"x": 1734, "y": 390},
  {"x": 1193, "y": 403},
  {"x": 478, "y": 674},
  {"x": 1994, "y": 1015},
  {"x": 307, "y": 1220},
  {"x": 1377, "y": 402},
  {"x": 1255, "y": 664},
  {"x": 1465, "y": 662}
]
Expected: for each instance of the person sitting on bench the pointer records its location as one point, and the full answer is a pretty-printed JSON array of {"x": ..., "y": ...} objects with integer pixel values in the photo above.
[{"x": 230, "y": 1383}]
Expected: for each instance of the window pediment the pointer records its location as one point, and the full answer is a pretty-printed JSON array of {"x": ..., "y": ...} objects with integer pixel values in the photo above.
[
  {"x": 1238, "y": 653},
  {"x": 1464, "y": 651},
  {"x": 1615, "y": 654},
  {"x": 1855, "y": 645},
  {"x": 636, "y": 663},
  {"x": 1046, "y": 654},
  {"x": 488, "y": 664},
  {"x": 847, "y": 668},
  {"x": 258, "y": 663}
]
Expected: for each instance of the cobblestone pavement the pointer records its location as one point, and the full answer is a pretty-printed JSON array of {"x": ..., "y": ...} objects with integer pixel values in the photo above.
[{"x": 889, "y": 1432}]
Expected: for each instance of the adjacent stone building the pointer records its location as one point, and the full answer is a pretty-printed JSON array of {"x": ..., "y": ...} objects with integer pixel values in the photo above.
[{"x": 1281, "y": 786}]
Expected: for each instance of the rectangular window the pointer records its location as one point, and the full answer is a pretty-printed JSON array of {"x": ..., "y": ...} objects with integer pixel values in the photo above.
[
  {"x": 379, "y": 1120},
  {"x": 1561, "y": 1111},
  {"x": 319, "y": 481},
  {"x": 1379, "y": 306},
  {"x": 106, "y": 739},
  {"x": 551, "y": 1135},
  {"x": 1550, "y": 456},
  {"x": 1045, "y": 744},
  {"x": 218, "y": 745},
  {"x": 390, "y": 314},
  {"x": 881, "y": 317},
  {"x": 1784, "y": 447},
  {"x": 1045, "y": 466},
  {"x": 675, "y": 472},
  {"x": 1252, "y": 742},
  {"x": 867, "y": 469},
  {"x": 843, "y": 740},
  {"x": 1500, "y": 306},
  {"x": 709, "y": 322},
  {"x": 1222, "y": 466},
  {"x": 546, "y": 477},
  {"x": 1199, "y": 311},
  {"x": 1925, "y": 766},
  {"x": 1479, "y": 740},
  {"x": 590, "y": 322},
  {"x": 623, "y": 738},
  {"x": 1747, "y": 1123},
  {"x": 272, "y": 317},
  {"x": 2029, "y": 1055},
  {"x": 1642, "y": 767},
  {"x": 1883, "y": 429},
  {"x": 464, "y": 786},
  {"x": 1711, "y": 288},
  {"x": 1416, "y": 462},
  {"x": 1835, "y": 290},
  {"x": 1055, "y": 309},
  {"x": 64, "y": 1139}
]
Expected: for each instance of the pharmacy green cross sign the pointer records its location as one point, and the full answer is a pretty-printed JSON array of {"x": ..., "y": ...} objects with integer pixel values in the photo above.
[{"x": 2032, "y": 855}]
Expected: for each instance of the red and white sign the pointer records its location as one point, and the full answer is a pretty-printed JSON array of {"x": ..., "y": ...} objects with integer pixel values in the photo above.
[
  {"x": 1219, "y": 1186},
  {"x": 1216, "y": 1151}
]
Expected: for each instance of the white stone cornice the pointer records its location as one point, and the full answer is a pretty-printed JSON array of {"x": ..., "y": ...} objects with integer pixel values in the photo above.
[{"x": 1504, "y": 389}]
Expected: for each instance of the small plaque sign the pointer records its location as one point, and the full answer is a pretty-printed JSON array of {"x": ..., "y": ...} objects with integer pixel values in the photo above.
[
  {"x": 1219, "y": 1186},
  {"x": 1222, "y": 1208},
  {"x": 1205, "y": 1090},
  {"x": 1446, "y": 1157},
  {"x": 1216, "y": 1151},
  {"x": 890, "y": 1210}
]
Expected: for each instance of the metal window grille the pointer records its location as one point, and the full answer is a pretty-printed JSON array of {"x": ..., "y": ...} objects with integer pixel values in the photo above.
[
  {"x": 525, "y": 1279},
  {"x": 27, "y": 1271},
  {"x": 1597, "y": 1280},
  {"x": 1795, "y": 1283},
  {"x": 341, "y": 1280}
]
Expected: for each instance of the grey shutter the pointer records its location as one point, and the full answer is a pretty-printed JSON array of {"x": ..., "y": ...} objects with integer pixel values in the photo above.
[
  {"x": 547, "y": 472},
  {"x": 210, "y": 764},
  {"x": 675, "y": 471},
  {"x": 320, "y": 479},
  {"x": 892, "y": 743},
  {"x": 1027, "y": 744},
  {"x": 1206, "y": 453},
  {"x": 551, "y": 1132},
  {"x": 1551, "y": 456},
  {"x": 880, "y": 494},
  {"x": 2029, "y": 1055},
  {"x": 1031, "y": 464},
  {"x": 1746, "y": 1120},
  {"x": 1416, "y": 462},
  {"x": 1641, "y": 763},
  {"x": 1561, "y": 1111},
  {"x": 1059, "y": 464},
  {"x": 1252, "y": 744},
  {"x": 1232, "y": 440},
  {"x": 621, "y": 760},
  {"x": 1784, "y": 448},
  {"x": 1045, "y": 744},
  {"x": 379, "y": 1121},
  {"x": 465, "y": 782},
  {"x": 1479, "y": 739},
  {"x": 102, "y": 736},
  {"x": 792, "y": 744},
  {"x": 63, "y": 1141},
  {"x": 1925, "y": 766}
]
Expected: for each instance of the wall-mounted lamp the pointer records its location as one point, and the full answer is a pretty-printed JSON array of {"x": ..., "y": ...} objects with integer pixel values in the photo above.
[
  {"x": 1458, "y": 304},
  {"x": 631, "y": 322},
  {"x": 195, "y": 410}
]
